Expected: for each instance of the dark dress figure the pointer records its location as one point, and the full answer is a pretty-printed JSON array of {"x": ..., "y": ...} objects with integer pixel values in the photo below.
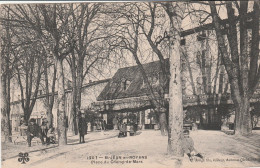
[
  {"x": 124, "y": 129},
  {"x": 44, "y": 130},
  {"x": 82, "y": 128},
  {"x": 33, "y": 130}
]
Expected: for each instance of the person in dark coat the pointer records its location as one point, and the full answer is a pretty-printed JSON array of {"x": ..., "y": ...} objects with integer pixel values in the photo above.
[
  {"x": 104, "y": 125},
  {"x": 124, "y": 129},
  {"x": 82, "y": 128},
  {"x": 33, "y": 130}
]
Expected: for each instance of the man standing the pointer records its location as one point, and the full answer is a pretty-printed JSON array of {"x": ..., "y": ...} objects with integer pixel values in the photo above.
[
  {"x": 33, "y": 131},
  {"x": 82, "y": 127},
  {"x": 104, "y": 125}
]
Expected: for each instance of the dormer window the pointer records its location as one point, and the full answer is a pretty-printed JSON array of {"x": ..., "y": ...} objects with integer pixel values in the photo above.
[{"x": 125, "y": 84}]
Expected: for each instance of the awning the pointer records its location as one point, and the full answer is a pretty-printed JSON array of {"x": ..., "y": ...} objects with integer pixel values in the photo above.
[
  {"x": 143, "y": 102},
  {"x": 122, "y": 104}
]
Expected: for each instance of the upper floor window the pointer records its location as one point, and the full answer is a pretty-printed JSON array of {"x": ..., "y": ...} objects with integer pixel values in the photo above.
[{"x": 125, "y": 84}]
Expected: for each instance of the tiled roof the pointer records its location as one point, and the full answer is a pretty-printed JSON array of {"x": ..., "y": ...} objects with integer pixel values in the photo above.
[{"x": 114, "y": 89}]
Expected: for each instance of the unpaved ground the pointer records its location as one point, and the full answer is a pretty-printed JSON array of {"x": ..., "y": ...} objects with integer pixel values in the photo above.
[{"x": 148, "y": 148}]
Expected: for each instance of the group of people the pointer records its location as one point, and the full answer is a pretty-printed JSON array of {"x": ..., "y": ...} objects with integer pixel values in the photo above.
[
  {"x": 123, "y": 129},
  {"x": 44, "y": 132},
  {"x": 47, "y": 135},
  {"x": 100, "y": 124}
]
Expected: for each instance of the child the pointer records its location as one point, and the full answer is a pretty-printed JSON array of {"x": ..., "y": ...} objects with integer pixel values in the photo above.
[
  {"x": 188, "y": 146},
  {"x": 51, "y": 136}
]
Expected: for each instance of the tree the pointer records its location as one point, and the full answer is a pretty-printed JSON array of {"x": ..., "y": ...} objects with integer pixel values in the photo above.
[
  {"x": 128, "y": 38},
  {"x": 90, "y": 32},
  {"x": 50, "y": 22},
  {"x": 242, "y": 67},
  {"x": 56, "y": 18},
  {"x": 165, "y": 76},
  {"x": 175, "y": 134},
  {"x": 8, "y": 62},
  {"x": 5, "y": 85},
  {"x": 29, "y": 71},
  {"x": 49, "y": 85}
]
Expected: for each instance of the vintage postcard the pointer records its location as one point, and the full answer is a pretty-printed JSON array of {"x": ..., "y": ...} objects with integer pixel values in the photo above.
[{"x": 130, "y": 84}]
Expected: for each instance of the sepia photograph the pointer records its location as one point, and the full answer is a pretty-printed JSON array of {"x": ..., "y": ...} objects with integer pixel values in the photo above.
[{"x": 130, "y": 84}]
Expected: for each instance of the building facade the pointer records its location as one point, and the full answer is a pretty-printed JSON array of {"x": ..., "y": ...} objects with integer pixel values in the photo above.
[
  {"x": 90, "y": 92},
  {"x": 126, "y": 96}
]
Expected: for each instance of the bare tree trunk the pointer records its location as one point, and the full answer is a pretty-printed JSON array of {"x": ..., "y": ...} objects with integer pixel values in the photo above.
[
  {"x": 203, "y": 67},
  {"x": 175, "y": 134},
  {"x": 5, "y": 123},
  {"x": 74, "y": 96},
  {"x": 184, "y": 53},
  {"x": 74, "y": 110},
  {"x": 163, "y": 123},
  {"x": 243, "y": 118},
  {"x": 9, "y": 102},
  {"x": 216, "y": 75},
  {"x": 61, "y": 116},
  {"x": 238, "y": 74},
  {"x": 143, "y": 119},
  {"x": 49, "y": 100},
  {"x": 79, "y": 84}
]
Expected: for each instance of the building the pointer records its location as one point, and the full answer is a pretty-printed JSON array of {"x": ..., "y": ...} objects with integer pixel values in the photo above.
[
  {"x": 90, "y": 92},
  {"x": 126, "y": 96}
]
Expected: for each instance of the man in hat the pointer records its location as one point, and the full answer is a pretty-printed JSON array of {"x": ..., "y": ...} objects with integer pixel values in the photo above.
[
  {"x": 188, "y": 146},
  {"x": 82, "y": 127},
  {"x": 33, "y": 131}
]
